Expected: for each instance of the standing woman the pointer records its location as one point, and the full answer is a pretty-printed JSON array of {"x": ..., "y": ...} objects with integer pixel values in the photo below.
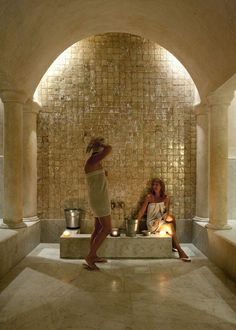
[
  {"x": 98, "y": 199},
  {"x": 156, "y": 203}
]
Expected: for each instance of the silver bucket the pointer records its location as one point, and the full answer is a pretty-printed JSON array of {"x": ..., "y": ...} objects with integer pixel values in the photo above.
[
  {"x": 72, "y": 218},
  {"x": 131, "y": 227}
]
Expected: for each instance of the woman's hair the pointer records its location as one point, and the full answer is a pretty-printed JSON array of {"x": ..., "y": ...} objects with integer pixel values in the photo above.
[
  {"x": 162, "y": 184},
  {"x": 148, "y": 190},
  {"x": 94, "y": 144}
]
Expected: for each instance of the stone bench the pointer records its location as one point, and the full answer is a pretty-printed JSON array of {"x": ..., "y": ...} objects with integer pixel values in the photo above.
[
  {"x": 15, "y": 244},
  {"x": 76, "y": 246}
]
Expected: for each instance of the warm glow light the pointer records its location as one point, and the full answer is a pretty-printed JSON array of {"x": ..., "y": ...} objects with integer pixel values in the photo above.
[
  {"x": 114, "y": 285},
  {"x": 176, "y": 65},
  {"x": 115, "y": 232},
  {"x": 63, "y": 59},
  {"x": 66, "y": 233},
  {"x": 162, "y": 233},
  {"x": 178, "y": 69},
  {"x": 55, "y": 69}
]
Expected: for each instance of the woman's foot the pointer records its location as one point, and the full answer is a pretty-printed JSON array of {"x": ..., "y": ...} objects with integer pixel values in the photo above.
[
  {"x": 90, "y": 264},
  {"x": 186, "y": 259},
  {"x": 86, "y": 266},
  {"x": 100, "y": 259},
  {"x": 183, "y": 256}
]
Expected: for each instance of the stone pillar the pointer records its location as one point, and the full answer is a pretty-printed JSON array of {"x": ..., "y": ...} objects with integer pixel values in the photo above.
[
  {"x": 13, "y": 159},
  {"x": 30, "y": 161},
  {"x": 1, "y": 157},
  {"x": 218, "y": 183},
  {"x": 202, "y": 171}
]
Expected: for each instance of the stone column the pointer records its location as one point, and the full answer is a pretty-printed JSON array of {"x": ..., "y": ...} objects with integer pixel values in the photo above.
[
  {"x": 13, "y": 160},
  {"x": 202, "y": 171},
  {"x": 30, "y": 161},
  {"x": 1, "y": 158},
  {"x": 218, "y": 189}
]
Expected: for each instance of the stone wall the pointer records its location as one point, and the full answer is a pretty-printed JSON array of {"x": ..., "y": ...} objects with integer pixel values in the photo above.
[
  {"x": 1, "y": 159},
  {"x": 139, "y": 97}
]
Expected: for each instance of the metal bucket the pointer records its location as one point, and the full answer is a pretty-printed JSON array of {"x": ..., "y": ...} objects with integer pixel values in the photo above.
[
  {"x": 72, "y": 218},
  {"x": 131, "y": 227}
]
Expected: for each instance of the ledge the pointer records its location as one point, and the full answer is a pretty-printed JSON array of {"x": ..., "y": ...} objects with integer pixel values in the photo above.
[
  {"x": 15, "y": 244},
  {"x": 77, "y": 246},
  {"x": 218, "y": 245}
]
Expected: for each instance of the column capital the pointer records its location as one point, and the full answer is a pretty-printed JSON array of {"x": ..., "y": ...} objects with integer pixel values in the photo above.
[
  {"x": 14, "y": 96},
  {"x": 220, "y": 99},
  {"x": 201, "y": 109},
  {"x": 31, "y": 107}
]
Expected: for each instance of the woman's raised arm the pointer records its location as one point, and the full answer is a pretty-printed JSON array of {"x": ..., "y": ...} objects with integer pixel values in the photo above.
[{"x": 96, "y": 158}]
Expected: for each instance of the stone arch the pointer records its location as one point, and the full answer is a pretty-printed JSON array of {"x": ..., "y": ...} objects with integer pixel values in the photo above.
[{"x": 185, "y": 31}]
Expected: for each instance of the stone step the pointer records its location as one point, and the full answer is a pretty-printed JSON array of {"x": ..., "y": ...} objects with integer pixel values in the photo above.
[{"x": 76, "y": 246}]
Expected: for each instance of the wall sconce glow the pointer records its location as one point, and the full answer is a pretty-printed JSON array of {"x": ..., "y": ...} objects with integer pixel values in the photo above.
[{"x": 66, "y": 233}]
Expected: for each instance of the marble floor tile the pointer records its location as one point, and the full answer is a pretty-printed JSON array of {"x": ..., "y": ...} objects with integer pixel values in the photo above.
[{"x": 46, "y": 292}]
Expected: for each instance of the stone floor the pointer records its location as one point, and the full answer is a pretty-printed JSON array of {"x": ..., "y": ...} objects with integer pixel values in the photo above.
[{"x": 44, "y": 292}]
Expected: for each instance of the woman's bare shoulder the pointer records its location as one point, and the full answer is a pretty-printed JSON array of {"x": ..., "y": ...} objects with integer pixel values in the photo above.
[{"x": 149, "y": 198}]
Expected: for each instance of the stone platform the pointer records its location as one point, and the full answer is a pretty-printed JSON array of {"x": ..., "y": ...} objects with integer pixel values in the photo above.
[
  {"x": 76, "y": 246},
  {"x": 15, "y": 244}
]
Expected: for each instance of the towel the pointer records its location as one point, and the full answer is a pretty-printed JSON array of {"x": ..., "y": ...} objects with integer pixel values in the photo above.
[
  {"x": 155, "y": 211},
  {"x": 98, "y": 194}
]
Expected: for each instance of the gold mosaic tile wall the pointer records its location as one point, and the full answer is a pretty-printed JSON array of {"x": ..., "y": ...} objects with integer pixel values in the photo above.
[{"x": 135, "y": 94}]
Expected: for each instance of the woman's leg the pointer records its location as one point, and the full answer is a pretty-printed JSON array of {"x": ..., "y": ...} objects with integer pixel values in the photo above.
[
  {"x": 105, "y": 229},
  {"x": 97, "y": 228},
  {"x": 171, "y": 219},
  {"x": 169, "y": 228}
]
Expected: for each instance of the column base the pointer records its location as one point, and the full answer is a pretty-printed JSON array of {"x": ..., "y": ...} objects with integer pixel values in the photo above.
[
  {"x": 28, "y": 219},
  {"x": 12, "y": 226},
  {"x": 200, "y": 219},
  {"x": 218, "y": 227}
]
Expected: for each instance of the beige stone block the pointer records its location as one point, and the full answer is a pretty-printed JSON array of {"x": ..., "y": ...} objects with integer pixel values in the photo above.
[
  {"x": 16, "y": 244},
  {"x": 217, "y": 245},
  {"x": 77, "y": 246}
]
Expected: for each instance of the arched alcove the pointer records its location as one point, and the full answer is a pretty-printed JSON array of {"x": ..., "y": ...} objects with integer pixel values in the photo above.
[{"x": 140, "y": 98}]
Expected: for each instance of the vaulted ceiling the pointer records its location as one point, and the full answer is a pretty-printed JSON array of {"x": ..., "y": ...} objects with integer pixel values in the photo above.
[{"x": 200, "y": 33}]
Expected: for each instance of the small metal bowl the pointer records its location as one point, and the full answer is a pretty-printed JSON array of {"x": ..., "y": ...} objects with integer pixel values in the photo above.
[{"x": 146, "y": 232}]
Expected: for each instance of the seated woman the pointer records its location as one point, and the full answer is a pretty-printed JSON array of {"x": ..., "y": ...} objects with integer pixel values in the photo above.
[{"x": 156, "y": 203}]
